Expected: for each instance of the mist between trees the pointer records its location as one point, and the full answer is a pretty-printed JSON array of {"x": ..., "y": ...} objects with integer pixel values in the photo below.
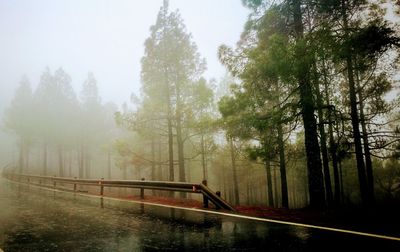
[{"x": 302, "y": 119}]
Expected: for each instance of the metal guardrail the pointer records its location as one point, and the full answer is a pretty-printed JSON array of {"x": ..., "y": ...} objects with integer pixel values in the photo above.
[{"x": 208, "y": 194}]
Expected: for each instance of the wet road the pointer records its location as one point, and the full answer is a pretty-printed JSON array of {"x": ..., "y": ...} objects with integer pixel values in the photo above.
[{"x": 55, "y": 221}]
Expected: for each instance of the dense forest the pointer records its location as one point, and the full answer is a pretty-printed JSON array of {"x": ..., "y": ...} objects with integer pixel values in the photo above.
[{"x": 306, "y": 116}]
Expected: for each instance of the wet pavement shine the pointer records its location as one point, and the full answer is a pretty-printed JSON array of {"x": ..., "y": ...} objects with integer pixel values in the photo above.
[{"x": 33, "y": 219}]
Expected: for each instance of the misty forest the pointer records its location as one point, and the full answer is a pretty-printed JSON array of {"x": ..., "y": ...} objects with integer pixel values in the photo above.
[{"x": 307, "y": 115}]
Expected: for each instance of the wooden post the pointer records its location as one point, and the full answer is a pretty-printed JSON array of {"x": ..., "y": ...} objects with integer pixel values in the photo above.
[
  {"x": 205, "y": 198},
  {"x": 101, "y": 187},
  {"x": 54, "y": 182},
  {"x": 142, "y": 191},
  {"x": 75, "y": 185},
  {"x": 218, "y": 193}
]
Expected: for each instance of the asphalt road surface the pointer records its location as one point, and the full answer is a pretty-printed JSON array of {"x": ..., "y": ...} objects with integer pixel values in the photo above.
[{"x": 33, "y": 219}]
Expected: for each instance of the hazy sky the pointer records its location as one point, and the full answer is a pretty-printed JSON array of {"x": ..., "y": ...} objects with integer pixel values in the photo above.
[{"x": 102, "y": 36}]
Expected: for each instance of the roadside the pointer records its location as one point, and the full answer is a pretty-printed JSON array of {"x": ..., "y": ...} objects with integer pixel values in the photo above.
[
  {"x": 381, "y": 221},
  {"x": 378, "y": 221}
]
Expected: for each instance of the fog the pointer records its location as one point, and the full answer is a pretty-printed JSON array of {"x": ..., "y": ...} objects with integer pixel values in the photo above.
[
  {"x": 286, "y": 110},
  {"x": 103, "y": 37},
  {"x": 269, "y": 104}
]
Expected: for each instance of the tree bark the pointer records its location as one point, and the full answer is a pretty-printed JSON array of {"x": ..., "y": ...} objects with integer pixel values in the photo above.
[
  {"x": 235, "y": 179},
  {"x": 282, "y": 168},
  {"x": 354, "y": 116},
  {"x": 109, "y": 164},
  {"x": 153, "y": 159},
  {"x": 153, "y": 162},
  {"x": 203, "y": 156},
  {"x": 367, "y": 151},
  {"x": 70, "y": 164},
  {"x": 179, "y": 140},
  {"x": 44, "y": 159},
  {"x": 170, "y": 144},
  {"x": 160, "y": 170},
  {"x": 332, "y": 144},
  {"x": 324, "y": 150},
  {"x": 269, "y": 183},
  {"x": 87, "y": 164},
  {"x": 60, "y": 161},
  {"x": 314, "y": 167},
  {"x": 26, "y": 153},
  {"x": 21, "y": 156},
  {"x": 81, "y": 154},
  {"x": 276, "y": 203}
]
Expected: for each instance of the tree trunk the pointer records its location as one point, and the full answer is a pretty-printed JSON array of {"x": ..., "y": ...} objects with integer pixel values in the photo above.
[
  {"x": 356, "y": 134},
  {"x": 367, "y": 151},
  {"x": 324, "y": 150},
  {"x": 276, "y": 203},
  {"x": 315, "y": 182},
  {"x": 170, "y": 146},
  {"x": 269, "y": 183},
  {"x": 179, "y": 138},
  {"x": 169, "y": 107},
  {"x": 160, "y": 170},
  {"x": 87, "y": 164},
  {"x": 354, "y": 117},
  {"x": 282, "y": 168},
  {"x": 248, "y": 190},
  {"x": 153, "y": 160},
  {"x": 60, "y": 161},
  {"x": 332, "y": 144},
  {"x": 235, "y": 179},
  {"x": 70, "y": 164},
  {"x": 45, "y": 159},
  {"x": 26, "y": 154},
  {"x": 81, "y": 154},
  {"x": 109, "y": 164},
  {"x": 225, "y": 187},
  {"x": 21, "y": 156},
  {"x": 203, "y": 156},
  {"x": 181, "y": 157}
]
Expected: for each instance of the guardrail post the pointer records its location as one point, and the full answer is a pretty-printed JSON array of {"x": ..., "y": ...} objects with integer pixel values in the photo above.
[
  {"x": 75, "y": 185},
  {"x": 218, "y": 193},
  {"x": 205, "y": 198},
  {"x": 101, "y": 187},
  {"x": 142, "y": 191}
]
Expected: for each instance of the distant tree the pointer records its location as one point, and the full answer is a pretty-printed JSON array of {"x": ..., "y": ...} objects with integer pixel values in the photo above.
[
  {"x": 64, "y": 117},
  {"x": 19, "y": 118},
  {"x": 42, "y": 98},
  {"x": 92, "y": 124},
  {"x": 171, "y": 64}
]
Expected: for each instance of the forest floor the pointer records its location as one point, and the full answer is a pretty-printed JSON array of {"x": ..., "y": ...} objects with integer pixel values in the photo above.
[{"x": 378, "y": 220}]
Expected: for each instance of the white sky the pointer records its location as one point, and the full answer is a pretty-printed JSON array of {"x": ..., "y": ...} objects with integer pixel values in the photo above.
[{"x": 102, "y": 36}]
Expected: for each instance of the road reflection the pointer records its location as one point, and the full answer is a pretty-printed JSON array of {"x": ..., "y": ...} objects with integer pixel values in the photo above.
[{"x": 36, "y": 220}]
